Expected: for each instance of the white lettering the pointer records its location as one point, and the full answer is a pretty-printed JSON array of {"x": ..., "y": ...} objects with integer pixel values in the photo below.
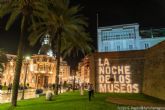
[
  {"x": 121, "y": 75},
  {"x": 114, "y": 70},
  {"x": 129, "y": 88},
  {"x": 127, "y": 79},
  {"x": 123, "y": 88},
  {"x": 121, "y": 79},
  {"x": 100, "y": 64},
  {"x": 116, "y": 88},
  {"x": 101, "y": 79},
  {"x": 107, "y": 77},
  {"x": 101, "y": 70},
  {"x": 115, "y": 79},
  {"x": 120, "y": 70},
  {"x": 110, "y": 88},
  {"x": 106, "y": 62},
  {"x": 127, "y": 70},
  {"x": 102, "y": 88},
  {"x": 135, "y": 88},
  {"x": 107, "y": 70}
]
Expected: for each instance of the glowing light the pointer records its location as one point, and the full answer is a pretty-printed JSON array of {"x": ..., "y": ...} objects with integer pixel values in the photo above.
[
  {"x": 27, "y": 57},
  {"x": 50, "y": 72},
  {"x": 11, "y": 63},
  {"x": 31, "y": 67},
  {"x": 121, "y": 75}
]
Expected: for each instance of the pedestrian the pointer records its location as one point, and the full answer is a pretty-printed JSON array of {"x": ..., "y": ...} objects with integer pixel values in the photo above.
[
  {"x": 81, "y": 89},
  {"x": 9, "y": 88},
  {"x": 92, "y": 90},
  {"x": 89, "y": 91},
  {"x": 0, "y": 87},
  {"x": 59, "y": 86}
]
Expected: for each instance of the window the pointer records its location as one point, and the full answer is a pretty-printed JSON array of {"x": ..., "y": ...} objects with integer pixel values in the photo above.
[
  {"x": 106, "y": 48},
  {"x": 118, "y": 48},
  {"x": 34, "y": 61},
  {"x": 146, "y": 45},
  {"x": 130, "y": 47}
]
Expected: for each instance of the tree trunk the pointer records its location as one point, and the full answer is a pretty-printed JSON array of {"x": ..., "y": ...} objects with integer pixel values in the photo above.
[
  {"x": 24, "y": 84},
  {"x": 18, "y": 67},
  {"x": 74, "y": 82},
  {"x": 58, "y": 62}
]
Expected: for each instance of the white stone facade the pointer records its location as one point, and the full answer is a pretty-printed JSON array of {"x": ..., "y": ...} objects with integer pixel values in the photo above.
[{"x": 124, "y": 38}]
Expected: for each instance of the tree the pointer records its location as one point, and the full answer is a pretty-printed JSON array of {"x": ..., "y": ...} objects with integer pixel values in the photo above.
[
  {"x": 28, "y": 11},
  {"x": 3, "y": 59},
  {"x": 67, "y": 30}
]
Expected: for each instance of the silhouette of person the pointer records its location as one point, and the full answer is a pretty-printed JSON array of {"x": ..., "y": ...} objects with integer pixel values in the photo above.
[{"x": 90, "y": 88}]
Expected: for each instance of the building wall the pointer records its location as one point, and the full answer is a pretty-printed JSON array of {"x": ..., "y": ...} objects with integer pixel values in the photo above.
[
  {"x": 40, "y": 70},
  {"x": 147, "y": 69},
  {"x": 83, "y": 68},
  {"x": 123, "y": 38},
  {"x": 154, "y": 71},
  {"x": 117, "y": 72}
]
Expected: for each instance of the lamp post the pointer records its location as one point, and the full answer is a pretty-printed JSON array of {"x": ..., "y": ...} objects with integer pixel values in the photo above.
[{"x": 24, "y": 84}]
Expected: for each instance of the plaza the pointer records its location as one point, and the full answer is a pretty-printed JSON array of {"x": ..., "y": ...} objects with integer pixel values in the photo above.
[{"x": 52, "y": 56}]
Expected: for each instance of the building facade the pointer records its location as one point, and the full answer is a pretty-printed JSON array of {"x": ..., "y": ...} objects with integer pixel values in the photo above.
[
  {"x": 83, "y": 70},
  {"x": 40, "y": 71},
  {"x": 117, "y": 72},
  {"x": 124, "y": 37}
]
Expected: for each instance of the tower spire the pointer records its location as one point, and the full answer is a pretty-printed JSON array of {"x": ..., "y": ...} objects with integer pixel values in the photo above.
[{"x": 46, "y": 46}]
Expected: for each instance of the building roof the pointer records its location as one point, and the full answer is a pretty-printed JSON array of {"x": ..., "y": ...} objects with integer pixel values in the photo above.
[{"x": 117, "y": 26}]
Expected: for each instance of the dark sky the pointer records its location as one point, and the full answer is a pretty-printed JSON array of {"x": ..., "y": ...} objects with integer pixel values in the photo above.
[{"x": 148, "y": 13}]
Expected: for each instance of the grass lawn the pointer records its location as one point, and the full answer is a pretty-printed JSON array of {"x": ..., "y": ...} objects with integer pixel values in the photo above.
[
  {"x": 65, "y": 101},
  {"x": 73, "y": 101}
]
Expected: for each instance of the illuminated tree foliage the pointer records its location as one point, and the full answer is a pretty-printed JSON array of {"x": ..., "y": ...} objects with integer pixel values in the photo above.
[
  {"x": 66, "y": 28},
  {"x": 28, "y": 12}
]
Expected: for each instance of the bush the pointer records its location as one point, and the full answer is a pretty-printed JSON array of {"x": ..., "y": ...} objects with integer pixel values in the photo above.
[
  {"x": 49, "y": 95},
  {"x": 39, "y": 91}
]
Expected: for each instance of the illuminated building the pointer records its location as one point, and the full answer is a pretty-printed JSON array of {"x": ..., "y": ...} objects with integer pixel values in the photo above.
[
  {"x": 117, "y": 72},
  {"x": 83, "y": 70},
  {"x": 40, "y": 69},
  {"x": 126, "y": 37},
  {"x": 46, "y": 46},
  {"x": 118, "y": 66}
]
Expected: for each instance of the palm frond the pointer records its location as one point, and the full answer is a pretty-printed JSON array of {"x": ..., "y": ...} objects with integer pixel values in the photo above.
[
  {"x": 12, "y": 18},
  {"x": 35, "y": 35}
]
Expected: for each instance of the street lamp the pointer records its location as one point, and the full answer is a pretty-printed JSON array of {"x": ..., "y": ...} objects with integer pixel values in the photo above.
[{"x": 26, "y": 67}]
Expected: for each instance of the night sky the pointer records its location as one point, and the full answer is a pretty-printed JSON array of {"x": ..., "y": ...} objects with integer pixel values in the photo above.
[{"x": 148, "y": 13}]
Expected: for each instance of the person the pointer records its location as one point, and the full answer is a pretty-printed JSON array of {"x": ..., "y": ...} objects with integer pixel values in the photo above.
[
  {"x": 59, "y": 86},
  {"x": 0, "y": 87},
  {"x": 92, "y": 90},
  {"x": 9, "y": 88},
  {"x": 81, "y": 89},
  {"x": 89, "y": 91}
]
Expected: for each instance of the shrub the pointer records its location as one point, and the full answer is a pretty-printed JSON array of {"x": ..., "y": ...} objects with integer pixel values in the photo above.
[{"x": 39, "y": 91}]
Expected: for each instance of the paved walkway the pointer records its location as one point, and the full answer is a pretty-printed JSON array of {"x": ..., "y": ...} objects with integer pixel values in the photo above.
[
  {"x": 5, "y": 96},
  {"x": 129, "y": 102}
]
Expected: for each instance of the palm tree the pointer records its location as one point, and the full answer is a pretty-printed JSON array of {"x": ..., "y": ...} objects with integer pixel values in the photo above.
[
  {"x": 26, "y": 10},
  {"x": 3, "y": 59},
  {"x": 67, "y": 30}
]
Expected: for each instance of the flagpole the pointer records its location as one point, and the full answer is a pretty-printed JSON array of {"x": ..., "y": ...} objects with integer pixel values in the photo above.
[
  {"x": 97, "y": 15},
  {"x": 97, "y": 24}
]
